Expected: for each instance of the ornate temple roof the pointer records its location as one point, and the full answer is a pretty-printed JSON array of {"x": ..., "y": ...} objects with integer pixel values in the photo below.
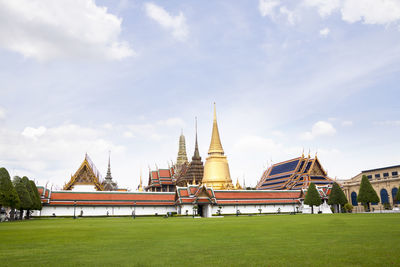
[
  {"x": 160, "y": 177},
  {"x": 87, "y": 174},
  {"x": 296, "y": 173}
]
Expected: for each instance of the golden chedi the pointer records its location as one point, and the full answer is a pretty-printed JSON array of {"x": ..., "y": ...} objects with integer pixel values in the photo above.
[{"x": 216, "y": 168}]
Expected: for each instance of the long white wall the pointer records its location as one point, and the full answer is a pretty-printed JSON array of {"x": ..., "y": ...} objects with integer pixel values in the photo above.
[
  {"x": 187, "y": 209},
  {"x": 104, "y": 210}
]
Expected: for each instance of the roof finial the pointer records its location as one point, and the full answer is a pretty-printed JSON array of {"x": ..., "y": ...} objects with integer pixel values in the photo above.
[
  {"x": 215, "y": 112},
  {"x": 302, "y": 153}
]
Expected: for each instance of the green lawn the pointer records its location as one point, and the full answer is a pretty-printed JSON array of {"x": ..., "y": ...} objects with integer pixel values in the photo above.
[{"x": 274, "y": 240}]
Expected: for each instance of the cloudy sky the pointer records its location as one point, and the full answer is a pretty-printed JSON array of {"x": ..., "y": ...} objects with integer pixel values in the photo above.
[{"x": 92, "y": 76}]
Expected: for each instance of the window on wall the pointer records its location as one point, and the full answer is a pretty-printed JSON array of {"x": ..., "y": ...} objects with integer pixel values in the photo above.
[
  {"x": 385, "y": 174},
  {"x": 394, "y": 192},
  {"x": 369, "y": 177},
  {"x": 395, "y": 173},
  {"x": 377, "y": 175},
  {"x": 354, "y": 199}
]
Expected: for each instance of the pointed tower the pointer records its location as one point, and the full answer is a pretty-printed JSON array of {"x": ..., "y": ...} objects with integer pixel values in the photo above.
[
  {"x": 108, "y": 183},
  {"x": 108, "y": 177},
  {"x": 216, "y": 168},
  {"x": 195, "y": 169},
  {"x": 182, "y": 157}
]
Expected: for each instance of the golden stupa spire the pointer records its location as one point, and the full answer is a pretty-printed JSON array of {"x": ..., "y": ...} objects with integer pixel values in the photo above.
[
  {"x": 215, "y": 145},
  {"x": 216, "y": 169}
]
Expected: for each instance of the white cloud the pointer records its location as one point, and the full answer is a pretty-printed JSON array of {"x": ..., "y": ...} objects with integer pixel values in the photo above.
[
  {"x": 347, "y": 123},
  {"x": 367, "y": 11},
  {"x": 33, "y": 133},
  {"x": 320, "y": 128},
  {"x": 176, "y": 24},
  {"x": 388, "y": 123},
  {"x": 2, "y": 113},
  {"x": 128, "y": 134},
  {"x": 371, "y": 11},
  {"x": 267, "y": 7},
  {"x": 53, "y": 152},
  {"x": 274, "y": 10},
  {"x": 252, "y": 142},
  {"x": 48, "y": 29},
  {"x": 324, "y": 32},
  {"x": 325, "y": 7},
  {"x": 290, "y": 14},
  {"x": 172, "y": 122}
]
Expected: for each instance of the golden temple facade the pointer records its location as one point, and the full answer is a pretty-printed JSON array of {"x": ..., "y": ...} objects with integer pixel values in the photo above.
[{"x": 216, "y": 168}]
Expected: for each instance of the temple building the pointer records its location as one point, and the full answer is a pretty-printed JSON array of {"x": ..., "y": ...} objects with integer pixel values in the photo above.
[
  {"x": 88, "y": 179},
  {"x": 296, "y": 174},
  {"x": 216, "y": 168},
  {"x": 161, "y": 180},
  {"x": 385, "y": 182}
]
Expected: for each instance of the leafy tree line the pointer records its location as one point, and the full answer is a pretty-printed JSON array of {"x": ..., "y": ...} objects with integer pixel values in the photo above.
[{"x": 19, "y": 194}]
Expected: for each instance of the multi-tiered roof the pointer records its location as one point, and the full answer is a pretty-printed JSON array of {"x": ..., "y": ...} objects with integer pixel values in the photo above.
[{"x": 296, "y": 173}]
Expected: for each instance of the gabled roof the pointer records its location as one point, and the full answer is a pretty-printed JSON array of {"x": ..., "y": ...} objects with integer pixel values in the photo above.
[
  {"x": 160, "y": 177},
  {"x": 295, "y": 173},
  {"x": 87, "y": 174}
]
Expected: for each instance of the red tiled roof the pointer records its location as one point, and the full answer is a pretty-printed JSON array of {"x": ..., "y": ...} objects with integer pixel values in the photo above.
[{"x": 165, "y": 173}]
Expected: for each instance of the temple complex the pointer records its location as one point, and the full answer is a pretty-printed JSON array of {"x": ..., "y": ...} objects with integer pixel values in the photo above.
[
  {"x": 188, "y": 188},
  {"x": 216, "y": 168},
  {"x": 295, "y": 173}
]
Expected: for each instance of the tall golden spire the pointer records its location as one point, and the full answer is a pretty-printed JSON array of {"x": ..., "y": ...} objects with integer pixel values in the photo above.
[
  {"x": 216, "y": 168},
  {"x": 215, "y": 145}
]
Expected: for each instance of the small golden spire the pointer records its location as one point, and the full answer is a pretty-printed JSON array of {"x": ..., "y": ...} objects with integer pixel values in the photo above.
[
  {"x": 140, "y": 189},
  {"x": 302, "y": 153},
  {"x": 194, "y": 180},
  {"x": 237, "y": 186},
  {"x": 215, "y": 145}
]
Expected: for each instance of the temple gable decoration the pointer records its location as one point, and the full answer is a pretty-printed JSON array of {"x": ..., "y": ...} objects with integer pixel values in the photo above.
[{"x": 87, "y": 174}]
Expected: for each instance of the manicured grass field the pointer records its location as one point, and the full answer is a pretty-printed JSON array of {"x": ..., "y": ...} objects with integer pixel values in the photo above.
[{"x": 274, "y": 240}]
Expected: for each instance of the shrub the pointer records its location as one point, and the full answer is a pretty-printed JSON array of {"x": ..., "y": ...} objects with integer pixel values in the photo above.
[{"x": 348, "y": 207}]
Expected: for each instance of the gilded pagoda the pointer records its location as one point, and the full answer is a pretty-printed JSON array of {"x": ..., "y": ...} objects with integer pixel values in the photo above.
[{"x": 216, "y": 169}]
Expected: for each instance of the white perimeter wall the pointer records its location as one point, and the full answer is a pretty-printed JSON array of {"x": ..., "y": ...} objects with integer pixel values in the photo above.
[
  {"x": 208, "y": 210},
  {"x": 102, "y": 210}
]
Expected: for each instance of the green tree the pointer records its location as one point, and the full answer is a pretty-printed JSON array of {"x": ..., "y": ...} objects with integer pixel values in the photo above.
[
  {"x": 312, "y": 198},
  {"x": 28, "y": 186},
  {"x": 37, "y": 202},
  {"x": 337, "y": 197},
  {"x": 8, "y": 194},
  {"x": 367, "y": 194},
  {"x": 23, "y": 194}
]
